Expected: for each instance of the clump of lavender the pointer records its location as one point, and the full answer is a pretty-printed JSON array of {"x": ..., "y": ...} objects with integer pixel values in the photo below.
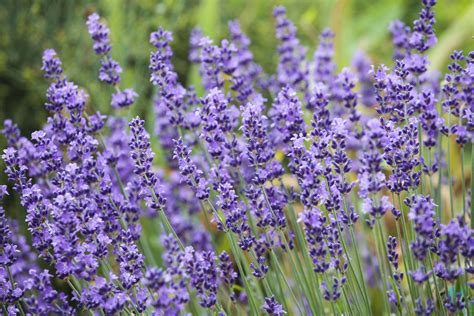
[{"x": 255, "y": 208}]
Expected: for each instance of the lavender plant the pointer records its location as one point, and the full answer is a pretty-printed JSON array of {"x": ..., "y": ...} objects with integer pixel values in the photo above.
[{"x": 303, "y": 192}]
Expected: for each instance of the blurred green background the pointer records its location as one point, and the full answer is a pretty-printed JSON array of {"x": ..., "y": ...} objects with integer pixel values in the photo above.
[{"x": 28, "y": 27}]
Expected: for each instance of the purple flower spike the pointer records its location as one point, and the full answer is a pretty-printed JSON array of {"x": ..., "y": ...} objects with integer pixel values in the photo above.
[
  {"x": 324, "y": 65},
  {"x": 272, "y": 307},
  {"x": 99, "y": 33},
  {"x": 191, "y": 174},
  {"x": 109, "y": 71},
  {"x": 292, "y": 67},
  {"x": 142, "y": 155},
  {"x": 51, "y": 64}
]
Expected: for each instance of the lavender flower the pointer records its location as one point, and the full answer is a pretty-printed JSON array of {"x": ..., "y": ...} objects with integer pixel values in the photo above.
[
  {"x": 142, "y": 155},
  {"x": 203, "y": 272},
  {"x": 227, "y": 272},
  {"x": 189, "y": 171},
  {"x": 51, "y": 64},
  {"x": 422, "y": 214},
  {"x": 324, "y": 65},
  {"x": 99, "y": 33},
  {"x": 110, "y": 70},
  {"x": 272, "y": 307},
  {"x": 292, "y": 69},
  {"x": 284, "y": 195},
  {"x": 123, "y": 99},
  {"x": 287, "y": 117}
]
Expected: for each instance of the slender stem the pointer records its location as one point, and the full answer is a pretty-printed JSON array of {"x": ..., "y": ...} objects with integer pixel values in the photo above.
[
  {"x": 280, "y": 270},
  {"x": 238, "y": 258},
  {"x": 420, "y": 144},
  {"x": 359, "y": 265},
  {"x": 359, "y": 289},
  {"x": 439, "y": 199},
  {"x": 381, "y": 261},
  {"x": 450, "y": 179},
  {"x": 248, "y": 289},
  {"x": 405, "y": 264},
  {"x": 281, "y": 291},
  {"x": 73, "y": 287},
  {"x": 438, "y": 293},
  {"x": 408, "y": 253},
  {"x": 301, "y": 242},
  {"x": 143, "y": 240},
  {"x": 304, "y": 281},
  {"x": 432, "y": 192},
  {"x": 472, "y": 185},
  {"x": 463, "y": 184}
]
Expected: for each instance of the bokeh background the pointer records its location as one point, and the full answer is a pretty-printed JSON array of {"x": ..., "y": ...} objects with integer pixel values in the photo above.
[{"x": 28, "y": 27}]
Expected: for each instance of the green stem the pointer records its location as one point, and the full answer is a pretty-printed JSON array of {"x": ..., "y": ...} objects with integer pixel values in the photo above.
[
  {"x": 405, "y": 264},
  {"x": 280, "y": 270},
  {"x": 420, "y": 144},
  {"x": 438, "y": 293},
  {"x": 450, "y": 179},
  {"x": 463, "y": 184},
  {"x": 432, "y": 192},
  {"x": 359, "y": 289},
  {"x": 314, "y": 279},
  {"x": 378, "y": 241},
  {"x": 439, "y": 199},
  {"x": 248, "y": 289},
  {"x": 472, "y": 185},
  {"x": 361, "y": 273},
  {"x": 408, "y": 253},
  {"x": 302, "y": 280}
]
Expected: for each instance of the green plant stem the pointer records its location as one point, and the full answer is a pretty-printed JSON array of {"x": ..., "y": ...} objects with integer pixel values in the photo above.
[
  {"x": 253, "y": 305},
  {"x": 359, "y": 289},
  {"x": 450, "y": 179},
  {"x": 420, "y": 144},
  {"x": 408, "y": 253},
  {"x": 463, "y": 181},
  {"x": 439, "y": 199},
  {"x": 432, "y": 192},
  {"x": 377, "y": 233},
  {"x": 281, "y": 291},
  {"x": 438, "y": 292},
  {"x": 359, "y": 265},
  {"x": 463, "y": 184},
  {"x": 301, "y": 279},
  {"x": 472, "y": 186},
  {"x": 280, "y": 270},
  {"x": 239, "y": 259},
  {"x": 405, "y": 264},
  {"x": 301, "y": 241}
]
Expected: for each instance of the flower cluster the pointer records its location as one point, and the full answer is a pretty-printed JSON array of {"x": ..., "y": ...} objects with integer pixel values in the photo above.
[{"x": 256, "y": 203}]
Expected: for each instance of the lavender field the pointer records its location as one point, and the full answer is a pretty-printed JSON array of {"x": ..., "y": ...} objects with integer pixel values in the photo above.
[{"x": 313, "y": 188}]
